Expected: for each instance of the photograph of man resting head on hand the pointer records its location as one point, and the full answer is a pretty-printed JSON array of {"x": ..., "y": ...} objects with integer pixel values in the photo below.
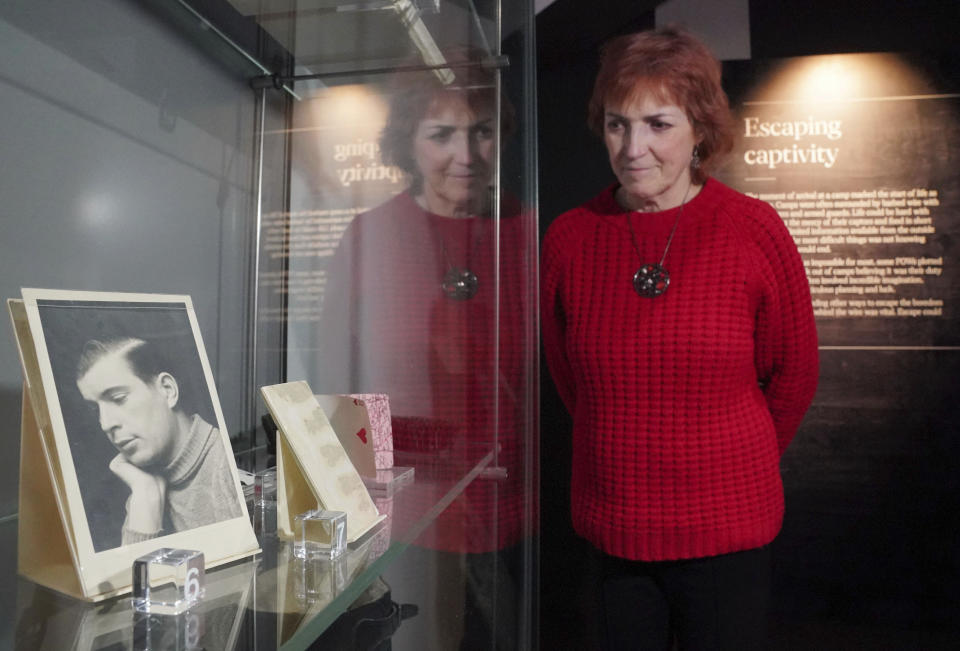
[
  {"x": 141, "y": 417},
  {"x": 171, "y": 459}
]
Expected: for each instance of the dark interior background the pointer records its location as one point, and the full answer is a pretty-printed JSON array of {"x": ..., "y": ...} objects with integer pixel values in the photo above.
[{"x": 869, "y": 556}]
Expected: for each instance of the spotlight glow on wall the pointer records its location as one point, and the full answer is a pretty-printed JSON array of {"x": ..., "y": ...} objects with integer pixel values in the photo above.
[
  {"x": 841, "y": 77},
  {"x": 831, "y": 78}
]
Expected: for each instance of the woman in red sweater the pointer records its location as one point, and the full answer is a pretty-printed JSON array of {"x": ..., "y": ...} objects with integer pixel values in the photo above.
[{"x": 679, "y": 330}]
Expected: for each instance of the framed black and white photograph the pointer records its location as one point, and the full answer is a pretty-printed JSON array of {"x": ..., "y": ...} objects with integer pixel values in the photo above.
[{"x": 138, "y": 436}]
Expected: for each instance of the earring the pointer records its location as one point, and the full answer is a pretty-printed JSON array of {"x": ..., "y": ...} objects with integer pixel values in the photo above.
[{"x": 695, "y": 159}]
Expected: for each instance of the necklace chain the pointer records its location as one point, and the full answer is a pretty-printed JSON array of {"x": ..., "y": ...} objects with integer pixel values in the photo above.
[{"x": 652, "y": 280}]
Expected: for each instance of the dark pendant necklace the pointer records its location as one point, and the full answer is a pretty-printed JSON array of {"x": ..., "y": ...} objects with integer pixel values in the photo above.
[
  {"x": 652, "y": 279},
  {"x": 460, "y": 284}
]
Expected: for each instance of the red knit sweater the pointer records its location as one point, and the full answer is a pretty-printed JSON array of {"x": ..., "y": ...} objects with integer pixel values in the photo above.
[
  {"x": 458, "y": 373},
  {"x": 682, "y": 404}
]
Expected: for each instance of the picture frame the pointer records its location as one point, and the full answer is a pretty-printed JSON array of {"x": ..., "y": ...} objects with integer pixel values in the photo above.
[{"x": 82, "y": 402}]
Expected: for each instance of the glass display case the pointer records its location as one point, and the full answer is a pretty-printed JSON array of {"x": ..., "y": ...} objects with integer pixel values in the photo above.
[{"x": 346, "y": 190}]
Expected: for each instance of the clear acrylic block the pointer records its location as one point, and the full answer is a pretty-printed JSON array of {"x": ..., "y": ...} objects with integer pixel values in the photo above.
[
  {"x": 168, "y": 581},
  {"x": 388, "y": 481},
  {"x": 265, "y": 485},
  {"x": 320, "y": 534},
  {"x": 265, "y": 502}
]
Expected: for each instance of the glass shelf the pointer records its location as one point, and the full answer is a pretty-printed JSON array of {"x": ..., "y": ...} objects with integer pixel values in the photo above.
[{"x": 263, "y": 602}]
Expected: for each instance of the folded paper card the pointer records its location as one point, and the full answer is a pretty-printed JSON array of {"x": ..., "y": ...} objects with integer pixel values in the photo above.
[{"x": 313, "y": 468}]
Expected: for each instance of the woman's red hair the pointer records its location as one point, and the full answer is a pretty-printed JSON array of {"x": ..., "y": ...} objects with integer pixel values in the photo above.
[{"x": 675, "y": 67}]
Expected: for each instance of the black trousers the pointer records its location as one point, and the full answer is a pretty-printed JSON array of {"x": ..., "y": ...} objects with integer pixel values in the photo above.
[
  {"x": 717, "y": 603},
  {"x": 492, "y": 619}
]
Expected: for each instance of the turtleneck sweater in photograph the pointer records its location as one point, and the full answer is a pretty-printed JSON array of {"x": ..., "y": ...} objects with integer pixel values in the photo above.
[
  {"x": 682, "y": 404},
  {"x": 200, "y": 488}
]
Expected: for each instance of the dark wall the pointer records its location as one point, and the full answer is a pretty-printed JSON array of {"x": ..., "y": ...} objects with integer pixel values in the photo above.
[
  {"x": 802, "y": 27},
  {"x": 871, "y": 480},
  {"x": 870, "y": 537},
  {"x": 868, "y": 557},
  {"x": 572, "y": 161}
]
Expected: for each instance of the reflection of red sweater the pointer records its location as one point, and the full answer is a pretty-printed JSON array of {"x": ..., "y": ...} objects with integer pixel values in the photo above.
[
  {"x": 682, "y": 404},
  {"x": 388, "y": 328}
]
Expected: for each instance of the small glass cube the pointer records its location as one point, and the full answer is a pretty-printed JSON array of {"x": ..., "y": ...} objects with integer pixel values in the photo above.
[
  {"x": 168, "y": 581},
  {"x": 265, "y": 501},
  {"x": 265, "y": 485},
  {"x": 320, "y": 534}
]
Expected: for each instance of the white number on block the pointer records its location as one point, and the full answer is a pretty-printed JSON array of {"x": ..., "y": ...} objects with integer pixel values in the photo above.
[{"x": 192, "y": 588}]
